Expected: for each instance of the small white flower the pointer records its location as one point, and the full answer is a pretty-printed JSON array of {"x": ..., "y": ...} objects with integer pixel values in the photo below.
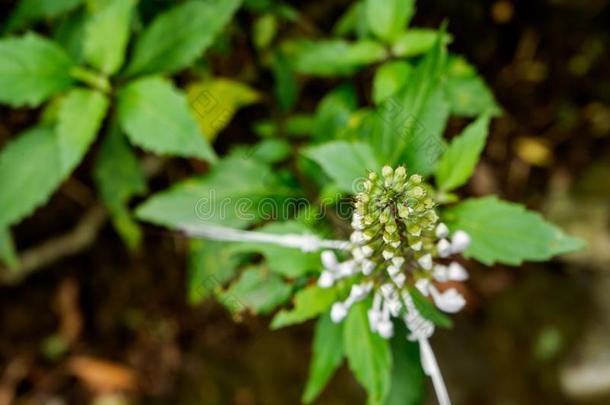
[
  {"x": 450, "y": 301},
  {"x": 398, "y": 261},
  {"x": 338, "y": 312},
  {"x": 329, "y": 260},
  {"x": 367, "y": 267},
  {"x": 360, "y": 291},
  {"x": 425, "y": 261},
  {"x": 356, "y": 237},
  {"x": 395, "y": 244},
  {"x": 374, "y": 317},
  {"x": 443, "y": 248},
  {"x": 417, "y": 246},
  {"x": 459, "y": 242},
  {"x": 440, "y": 273},
  {"x": 387, "y": 254},
  {"x": 399, "y": 279},
  {"x": 347, "y": 268},
  {"x": 423, "y": 285},
  {"x": 442, "y": 231},
  {"x": 393, "y": 270},
  {"x": 357, "y": 253},
  {"x": 457, "y": 272},
  {"x": 357, "y": 221},
  {"x": 367, "y": 250},
  {"x": 326, "y": 279},
  {"x": 385, "y": 329}
]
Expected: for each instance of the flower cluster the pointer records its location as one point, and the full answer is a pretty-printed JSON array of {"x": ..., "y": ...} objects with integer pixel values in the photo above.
[{"x": 397, "y": 243}]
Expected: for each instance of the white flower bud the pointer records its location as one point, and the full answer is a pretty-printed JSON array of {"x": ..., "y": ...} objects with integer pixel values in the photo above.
[
  {"x": 442, "y": 231},
  {"x": 457, "y": 272},
  {"x": 357, "y": 237},
  {"x": 393, "y": 270},
  {"x": 399, "y": 279},
  {"x": 367, "y": 267},
  {"x": 440, "y": 273},
  {"x": 450, "y": 301},
  {"x": 387, "y": 171},
  {"x": 357, "y": 221},
  {"x": 357, "y": 253},
  {"x": 385, "y": 329},
  {"x": 425, "y": 262},
  {"x": 374, "y": 317},
  {"x": 338, "y": 312},
  {"x": 423, "y": 285},
  {"x": 395, "y": 244},
  {"x": 367, "y": 250},
  {"x": 417, "y": 246},
  {"x": 329, "y": 259},
  {"x": 387, "y": 254},
  {"x": 459, "y": 241},
  {"x": 398, "y": 261},
  {"x": 443, "y": 248},
  {"x": 360, "y": 291},
  {"x": 326, "y": 280}
]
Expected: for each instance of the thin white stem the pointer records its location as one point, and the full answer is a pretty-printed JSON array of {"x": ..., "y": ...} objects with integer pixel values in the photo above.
[
  {"x": 431, "y": 369},
  {"x": 307, "y": 243}
]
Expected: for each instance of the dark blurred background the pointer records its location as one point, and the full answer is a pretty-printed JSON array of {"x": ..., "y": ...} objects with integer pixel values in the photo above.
[{"x": 106, "y": 321}]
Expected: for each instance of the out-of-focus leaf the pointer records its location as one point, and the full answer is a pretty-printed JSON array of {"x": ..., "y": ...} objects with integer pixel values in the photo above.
[
  {"x": 106, "y": 35},
  {"x": 31, "y": 11},
  {"x": 349, "y": 20},
  {"x": 459, "y": 160},
  {"x": 334, "y": 112},
  {"x": 289, "y": 262},
  {"x": 32, "y": 69},
  {"x": 211, "y": 264},
  {"x": 468, "y": 94},
  {"x": 417, "y": 41},
  {"x": 8, "y": 255},
  {"x": 333, "y": 57},
  {"x": 368, "y": 354},
  {"x": 119, "y": 176},
  {"x": 266, "y": 151},
  {"x": 264, "y": 30},
  {"x": 507, "y": 233},
  {"x": 285, "y": 83},
  {"x": 345, "y": 162},
  {"x": 408, "y": 379},
  {"x": 387, "y": 18},
  {"x": 389, "y": 78},
  {"x": 326, "y": 357},
  {"x": 215, "y": 102},
  {"x": 229, "y": 195},
  {"x": 30, "y": 170},
  {"x": 308, "y": 303},
  {"x": 79, "y": 118},
  {"x": 176, "y": 38},
  {"x": 257, "y": 290},
  {"x": 155, "y": 116},
  {"x": 69, "y": 33}
]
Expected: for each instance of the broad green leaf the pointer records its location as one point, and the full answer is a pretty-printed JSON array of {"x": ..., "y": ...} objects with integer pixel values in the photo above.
[
  {"x": 417, "y": 41},
  {"x": 368, "y": 354},
  {"x": 289, "y": 262},
  {"x": 79, "y": 118},
  {"x": 389, "y": 78},
  {"x": 211, "y": 264},
  {"x": 408, "y": 378},
  {"x": 326, "y": 357},
  {"x": 215, "y": 102},
  {"x": 285, "y": 86},
  {"x": 353, "y": 20},
  {"x": 32, "y": 69},
  {"x": 30, "y": 171},
  {"x": 308, "y": 303},
  {"x": 231, "y": 194},
  {"x": 428, "y": 310},
  {"x": 31, "y": 11},
  {"x": 347, "y": 163},
  {"x": 334, "y": 112},
  {"x": 468, "y": 94},
  {"x": 257, "y": 290},
  {"x": 69, "y": 33},
  {"x": 177, "y": 37},
  {"x": 333, "y": 57},
  {"x": 106, "y": 35},
  {"x": 155, "y": 116},
  {"x": 8, "y": 255},
  {"x": 119, "y": 176},
  {"x": 264, "y": 30},
  {"x": 507, "y": 233},
  {"x": 459, "y": 160},
  {"x": 408, "y": 127},
  {"x": 387, "y": 18}
]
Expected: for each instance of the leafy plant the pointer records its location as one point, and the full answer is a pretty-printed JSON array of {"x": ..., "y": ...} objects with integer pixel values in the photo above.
[{"x": 297, "y": 179}]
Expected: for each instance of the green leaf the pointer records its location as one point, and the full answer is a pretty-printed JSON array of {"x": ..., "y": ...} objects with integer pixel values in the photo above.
[
  {"x": 417, "y": 41},
  {"x": 119, "y": 176},
  {"x": 334, "y": 112},
  {"x": 326, "y": 357},
  {"x": 507, "y": 233},
  {"x": 468, "y": 94},
  {"x": 80, "y": 116},
  {"x": 289, "y": 262},
  {"x": 344, "y": 162},
  {"x": 8, "y": 255},
  {"x": 211, "y": 264},
  {"x": 215, "y": 102},
  {"x": 333, "y": 57},
  {"x": 408, "y": 378},
  {"x": 459, "y": 160},
  {"x": 69, "y": 33},
  {"x": 264, "y": 30},
  {"x": 31, "y": 11},
  {"x": 428, "y": 310},
  {"x": 258, "y": 290},
  {"x": 155, "y": 116},
  {"x": 368, "y": 354},
  {"x": 387, "y": 18},
  {"x": 229, "y": 195},
  {"x": 285, "y": 87},
  {"x": 266, "y": 151},
  {"x": 176, "y": 38},
  {"x": 32, "y": 69},
  {"x": 389, "y": 78},
  {"x": 29, "y": 173},
  {"x": 308, "y": 303},
  {"x": 106, "y": 35}
]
